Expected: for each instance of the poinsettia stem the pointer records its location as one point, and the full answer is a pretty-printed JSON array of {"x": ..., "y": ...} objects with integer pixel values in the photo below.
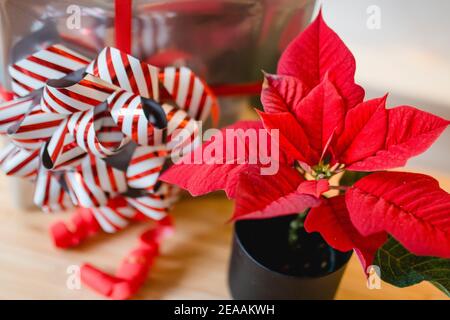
[
  {"x": 296, "y": 225},
  {"x": 350, "y": 177}
]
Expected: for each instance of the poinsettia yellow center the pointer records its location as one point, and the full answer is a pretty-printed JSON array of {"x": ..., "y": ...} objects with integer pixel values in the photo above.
[{"x": 321, "y": 170}]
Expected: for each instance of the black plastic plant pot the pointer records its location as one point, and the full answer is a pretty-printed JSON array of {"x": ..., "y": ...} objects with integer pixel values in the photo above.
[{"x": 266, "y": 264}]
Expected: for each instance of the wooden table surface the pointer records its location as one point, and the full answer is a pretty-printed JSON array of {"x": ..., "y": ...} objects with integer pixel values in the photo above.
[{"x": 193, "y": 264}]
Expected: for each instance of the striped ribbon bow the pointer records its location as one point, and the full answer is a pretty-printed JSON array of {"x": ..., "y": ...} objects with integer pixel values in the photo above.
[{"x": 97, "y": 134}]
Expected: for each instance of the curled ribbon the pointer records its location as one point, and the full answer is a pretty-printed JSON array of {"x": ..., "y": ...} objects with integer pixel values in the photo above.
[{"x": 97, "y": 134}]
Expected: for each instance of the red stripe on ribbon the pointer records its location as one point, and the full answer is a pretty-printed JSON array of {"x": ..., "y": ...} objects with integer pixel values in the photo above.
[
  {"x": 238, "y": 89},
  {"x": 37, "y": 126},
  {"x": 11, "y": 119},
  {"x": 92, "y": 85},
  {"x": 49, "y": 64},
  {"x": 146, "y": 156},
  {"x": 76, "y": 96},
  {"x": 30, "y": 158},
  {"x": 129, "y": 72},
  {"x": 21, "y": 84},
  {"x": 112, "y": 178},
  {"x": 31, "y": 74},
  {"x": 146, "y": 173},
  {"x": 67, "y": 55}
]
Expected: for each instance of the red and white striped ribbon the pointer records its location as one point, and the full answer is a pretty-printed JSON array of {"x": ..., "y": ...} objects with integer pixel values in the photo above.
[
  {"x": 33, "y": 130},
  {"x": 13, "y": 111},
  {"x": 189, "y": 92},
  {"x": 182, "y": 131},
  {"x": 62, "y": 149},
  {"x": 15, "y": 161},
  {"x": 108, "y": 133},
  {"x": 145, "y": 166},
  {"x": 128, "y": 113},
  {"x": 54, "y": 62},
  {"x": 127, "y": 72},
  {"x": 95, "y": 132},
  {"x": 94, "y": 182},
  {"x": 112, "y": 219},
  {"x": 152, "y": 206},
  {"x": 102, "y": 132},
  {"x": 186, "y": 89},
  {"x": 76, "y": 124},
  {"x": 119, "y": 211},
  {"x": 49, "y": 193},
  {"x": 81, "y": 96},
  {"x": 157, "y": 204}
]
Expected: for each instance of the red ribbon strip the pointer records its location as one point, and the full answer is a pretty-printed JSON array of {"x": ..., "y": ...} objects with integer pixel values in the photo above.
[
  {"x": 122, "y": 24},
  {"x": 82, "y": 226},
  {"x": 123, "y": 35},
  {"x": 134, "y": 269},
  {"x": 238, "y": 89}
]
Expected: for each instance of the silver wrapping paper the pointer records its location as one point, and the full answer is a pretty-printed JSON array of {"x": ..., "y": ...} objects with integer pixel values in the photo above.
[{"x": 223, "y": 41}]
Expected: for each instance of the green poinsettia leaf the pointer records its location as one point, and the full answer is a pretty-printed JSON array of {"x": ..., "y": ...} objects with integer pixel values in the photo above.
[
  {"x": 441, "y": 287},
  {"x": 401, "y": 268},
  {"x": 350, "y": 177}
]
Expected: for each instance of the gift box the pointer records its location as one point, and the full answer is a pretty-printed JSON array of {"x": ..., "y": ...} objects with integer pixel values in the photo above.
[{"x": 226, "y": 42}]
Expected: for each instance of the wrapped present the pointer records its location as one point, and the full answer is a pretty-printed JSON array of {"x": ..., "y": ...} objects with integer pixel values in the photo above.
[{"x": 226, "y": 42}]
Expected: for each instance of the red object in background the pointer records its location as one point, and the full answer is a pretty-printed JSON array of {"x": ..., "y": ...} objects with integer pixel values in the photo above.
[
  {"x": 134, "y": 269},
  {"x": 123, "y": 40},
  {"x": 6, "y": 95},
  {"x": 122, "y": 24},
  {"x": 82, "y": 225},
  {"x": 237, "y": 89}
]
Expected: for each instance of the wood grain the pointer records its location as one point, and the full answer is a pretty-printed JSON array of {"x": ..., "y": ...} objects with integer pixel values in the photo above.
[{"x": 193, "y": 264}]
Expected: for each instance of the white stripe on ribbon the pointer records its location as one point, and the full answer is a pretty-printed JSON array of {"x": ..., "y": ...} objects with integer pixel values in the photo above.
[
  {"x": 49, "y": 193},
  {"x": 128, "y": 113},
  {"x": 152, "y": 206},
  {"x": 13, "y": 111},
  {"x": 189, "y": 92},
  {"x": 35, "y": 128},
  {"x": 54, "y": 62},
  {"x": 145, "y": 166},
  {"x": 63, "y": 150},
  {"x": 127, "y": 73},
  {"x": 19, "y": 162}
]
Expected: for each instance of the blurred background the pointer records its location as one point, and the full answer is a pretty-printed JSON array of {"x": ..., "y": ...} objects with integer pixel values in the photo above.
[{"x": 401, "y": 47}]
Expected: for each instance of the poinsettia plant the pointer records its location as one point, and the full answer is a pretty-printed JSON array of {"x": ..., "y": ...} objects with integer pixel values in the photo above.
[{"x": 325, "y": 129}]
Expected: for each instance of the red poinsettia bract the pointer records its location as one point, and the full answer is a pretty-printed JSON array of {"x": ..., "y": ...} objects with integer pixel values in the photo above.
[{"x": 324, "y": 128}]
